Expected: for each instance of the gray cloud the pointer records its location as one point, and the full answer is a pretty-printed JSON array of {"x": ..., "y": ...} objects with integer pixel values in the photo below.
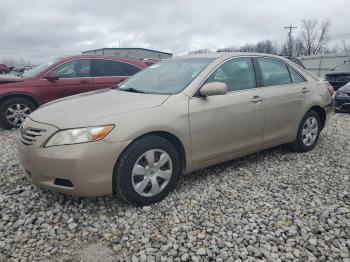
[{"x": 43, "y": 29}]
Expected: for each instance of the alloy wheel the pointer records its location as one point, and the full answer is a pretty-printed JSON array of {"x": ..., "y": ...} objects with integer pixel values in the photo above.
[{"x": 16, "y": 113}]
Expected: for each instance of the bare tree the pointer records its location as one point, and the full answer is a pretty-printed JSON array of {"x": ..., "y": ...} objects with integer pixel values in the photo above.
[
  {"x": 265, "y": 46},
  {"x": 314, "y": 36},
  {"x": 332, "y": 50},
  {"x": 295, "y": 45},
  {"x": 346, "y": 47},
  {"x": 199, "y": 51}
]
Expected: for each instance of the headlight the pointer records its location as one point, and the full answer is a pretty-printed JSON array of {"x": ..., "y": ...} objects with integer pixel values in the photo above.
[
  {"x": 341, "y": 94},
  {"x": 79, "y": 135}
]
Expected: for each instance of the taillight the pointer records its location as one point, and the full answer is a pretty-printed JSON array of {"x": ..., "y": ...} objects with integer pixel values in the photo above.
[{"x": 331, "y": 90}]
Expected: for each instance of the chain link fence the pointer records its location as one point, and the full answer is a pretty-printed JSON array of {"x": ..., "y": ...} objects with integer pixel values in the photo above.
[{"x": 321, "y": 64}]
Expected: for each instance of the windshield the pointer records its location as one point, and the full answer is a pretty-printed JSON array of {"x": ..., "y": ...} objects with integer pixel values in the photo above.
[
  {"x": 168, "y": 77},
  {"x": 36, "y": 70},
  {"x": 343, "y": 68}
]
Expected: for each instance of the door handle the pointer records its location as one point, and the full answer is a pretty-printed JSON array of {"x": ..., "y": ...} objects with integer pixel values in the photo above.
[
  {"x": 256, "y": 99},
  {"x": 84, "y": 82},
  {"x": 305, "y": 90}
]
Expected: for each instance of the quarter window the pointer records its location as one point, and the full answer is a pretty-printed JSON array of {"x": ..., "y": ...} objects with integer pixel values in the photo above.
[
  {"x": 273, "y": 72},
  {"x": 73, "y": 69},
  {"x": 114, "y": 68},
  {"x": 238, "y": 74},
  {"x": 296, "y": 78}
]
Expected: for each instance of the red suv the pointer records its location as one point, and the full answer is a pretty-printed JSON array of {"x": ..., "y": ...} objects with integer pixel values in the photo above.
[
  {"x": 19, "y": 96},
  {"x": 4, "y": 69}
]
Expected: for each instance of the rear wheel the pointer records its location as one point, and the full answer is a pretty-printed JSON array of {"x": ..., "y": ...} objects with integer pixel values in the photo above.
[
  {"x": 147, "y": 171},
  {"x": 308, "y": 132},
  {"x": 13, "y": 111}
]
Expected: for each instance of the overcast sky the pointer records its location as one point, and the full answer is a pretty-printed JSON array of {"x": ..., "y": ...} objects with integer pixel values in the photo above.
[{"x": 39, "y": 30}]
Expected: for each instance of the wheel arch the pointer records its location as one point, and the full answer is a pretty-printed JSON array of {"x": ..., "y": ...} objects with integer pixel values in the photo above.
[
  {"x": 23, "y": 95},
  {"x": 322, "y": 114},
  {"x": 171, "y": 138}
]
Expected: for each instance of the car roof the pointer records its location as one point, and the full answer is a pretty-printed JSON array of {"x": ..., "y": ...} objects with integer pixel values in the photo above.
[
  {"x": 99, "y": 57},
  {"x": 137, "y": 62},
  {"x": 226, "y": 55}
]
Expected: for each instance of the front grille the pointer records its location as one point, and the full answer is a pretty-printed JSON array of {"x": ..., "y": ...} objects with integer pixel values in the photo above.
[
  {"x": 30, "y": 135},
  {"x": 331, "y": 78},
  {"x": 342, "y": 79},
  {"x": 346, "y": 107}
]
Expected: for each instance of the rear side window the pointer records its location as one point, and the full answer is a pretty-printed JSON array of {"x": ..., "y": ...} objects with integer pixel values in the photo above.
[
  {"x": 237, "y": 73},
  {"x": 73, "y": 69},
  {"x": 113, "y": 68},
  {"x": 273, "y": 72},
  {"x": 129, "y": 70},
  {"x": 296, "y": 77}
]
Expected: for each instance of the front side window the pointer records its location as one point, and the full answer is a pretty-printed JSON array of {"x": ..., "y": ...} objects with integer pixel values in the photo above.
[
  {"x": 238, "y": 74},
  {"x": 296, "y": 77},
  {"x": 167, "y": 77},
  {"x": 73, "y": 69},
  {"x": 114, "y": 68},
  {"x": 273, "y": 72}
]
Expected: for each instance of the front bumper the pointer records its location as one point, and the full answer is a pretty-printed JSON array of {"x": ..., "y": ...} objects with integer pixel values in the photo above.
[
  {"x": 341, "y": 104},
  {"x": 83, "y": 169}
]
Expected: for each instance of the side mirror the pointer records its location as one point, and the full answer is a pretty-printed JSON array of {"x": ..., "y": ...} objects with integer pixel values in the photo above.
[
  {"x": 213, "y": 89},
  {"x": 51, "y": 78}
]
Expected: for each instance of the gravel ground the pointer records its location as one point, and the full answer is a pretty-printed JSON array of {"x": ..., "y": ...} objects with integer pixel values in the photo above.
[{"x": 274, "y": 205}]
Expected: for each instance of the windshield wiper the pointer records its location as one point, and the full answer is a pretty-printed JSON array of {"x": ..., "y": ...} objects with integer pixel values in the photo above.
[{"x": 134, "y": 90}]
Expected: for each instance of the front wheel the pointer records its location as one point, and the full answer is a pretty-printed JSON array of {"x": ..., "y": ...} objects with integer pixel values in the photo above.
[
  {"x": 147, "y": 171},
  {"x": 14, "y": 110},
  {"x": 308, "y": 132}
]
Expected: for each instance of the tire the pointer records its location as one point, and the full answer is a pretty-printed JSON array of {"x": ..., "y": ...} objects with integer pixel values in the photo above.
[
  {"x": 126, "y": 178},
  {"x": 25, "y": 108},
  {"x": 300, "y": 144}
]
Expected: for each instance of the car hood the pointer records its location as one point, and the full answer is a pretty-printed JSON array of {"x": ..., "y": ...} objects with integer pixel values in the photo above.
[
  {"x": 91, "y": 108},
  {"x": 10, "y": 79},
  {"x": 345, "y": 89},
  {"x": 333, "y": 73}
]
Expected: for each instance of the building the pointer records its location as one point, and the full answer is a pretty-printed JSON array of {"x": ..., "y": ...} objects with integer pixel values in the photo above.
[{"x": 137, "y": 53}]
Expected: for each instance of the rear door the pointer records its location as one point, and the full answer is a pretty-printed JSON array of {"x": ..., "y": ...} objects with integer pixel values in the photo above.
[
  {"x": 285, "y": 91},
  {"x": 109, "y": 72},
  {"x": 74, "y": 77},
  {"x": 225, "y": 124}
]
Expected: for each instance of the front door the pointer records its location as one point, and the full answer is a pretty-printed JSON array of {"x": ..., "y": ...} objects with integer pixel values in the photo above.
[
  {"x": 74, "y": 77},
  {"x": 225, "y": 124}
]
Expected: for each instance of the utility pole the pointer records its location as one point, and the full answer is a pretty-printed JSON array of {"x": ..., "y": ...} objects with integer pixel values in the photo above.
[{"x": 290, "y": 38}]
